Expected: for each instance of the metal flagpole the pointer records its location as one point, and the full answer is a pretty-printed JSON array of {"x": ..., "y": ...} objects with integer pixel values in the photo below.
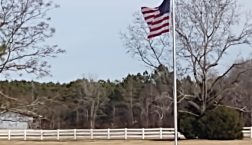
[{"x": 174, "y": 76}]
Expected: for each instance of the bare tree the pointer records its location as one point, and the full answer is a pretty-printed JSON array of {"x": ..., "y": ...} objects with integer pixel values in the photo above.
[
  {"x": 205, "y": 30},
  {"x": 24, "y": 29},
  {"x": 241, "y": 94},
  {"x": 152, "y": 52},
  {"x": 94, "y": 95}
]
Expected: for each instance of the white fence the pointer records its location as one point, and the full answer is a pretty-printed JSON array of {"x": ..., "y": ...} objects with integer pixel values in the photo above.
[
  {"x": 77, "y": 134},
  {"x": 74, "y": 134},
  {"x": 247, "y": 132}
]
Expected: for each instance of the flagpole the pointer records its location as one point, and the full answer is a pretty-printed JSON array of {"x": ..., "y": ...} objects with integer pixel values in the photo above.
[{"x": 174, "y": 76}]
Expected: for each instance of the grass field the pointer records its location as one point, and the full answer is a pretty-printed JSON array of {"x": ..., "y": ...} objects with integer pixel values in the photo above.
[{"x": 132, "y": 142}]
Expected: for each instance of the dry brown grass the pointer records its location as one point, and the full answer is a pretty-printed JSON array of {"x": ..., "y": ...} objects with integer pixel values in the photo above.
[{"x": 131, "y": 142}]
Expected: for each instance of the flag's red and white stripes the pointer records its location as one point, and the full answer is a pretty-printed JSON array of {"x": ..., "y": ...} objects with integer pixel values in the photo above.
[{"x": 158, "y": 24}]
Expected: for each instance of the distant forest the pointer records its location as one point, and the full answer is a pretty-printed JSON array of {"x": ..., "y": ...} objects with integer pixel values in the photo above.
[{"x": 140, "y": 100}]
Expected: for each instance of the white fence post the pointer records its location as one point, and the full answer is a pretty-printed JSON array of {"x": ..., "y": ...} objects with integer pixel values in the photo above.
[
  {"x": 161, "y": 133},
  {"x": 142, "y": 133},
  {"x": 251, "y": 132},
  {"x": 125, "y": 134},
  {"x": 108, "y": 133},
  {"x": 9, "y": 134},
  {"x": 75, "y": 137},
  {"x": 25, "y": 134},
  {"x": 41, "y": 134},
  {"x": 91, "y": 134},
  {"x": 58, "y": 134}
]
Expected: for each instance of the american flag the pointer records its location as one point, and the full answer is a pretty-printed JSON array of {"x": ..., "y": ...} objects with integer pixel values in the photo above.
[{"x": 157, "y": 19}]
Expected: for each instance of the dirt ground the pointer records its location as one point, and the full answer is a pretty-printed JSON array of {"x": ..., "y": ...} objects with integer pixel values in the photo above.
[{"x": 131, "y": 142}]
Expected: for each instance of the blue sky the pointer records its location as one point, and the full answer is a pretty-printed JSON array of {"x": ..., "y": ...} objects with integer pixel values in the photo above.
[{"x": 89, "y": 31}]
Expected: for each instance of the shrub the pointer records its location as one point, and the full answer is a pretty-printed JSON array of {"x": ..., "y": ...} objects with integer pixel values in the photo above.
[
  {"x": 187, "y": 125},
  {"x": 220, "y": 123}
]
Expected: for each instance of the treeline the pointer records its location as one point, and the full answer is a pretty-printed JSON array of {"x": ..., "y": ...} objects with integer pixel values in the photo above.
[{"x": 141, "y": 100}]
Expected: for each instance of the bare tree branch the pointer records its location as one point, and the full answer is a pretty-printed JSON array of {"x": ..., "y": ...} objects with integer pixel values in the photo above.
[{"x": 23, "y": 33}]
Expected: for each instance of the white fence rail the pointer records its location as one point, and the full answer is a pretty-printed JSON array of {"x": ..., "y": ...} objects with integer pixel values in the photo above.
[{"x": 76, "y": 134}]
